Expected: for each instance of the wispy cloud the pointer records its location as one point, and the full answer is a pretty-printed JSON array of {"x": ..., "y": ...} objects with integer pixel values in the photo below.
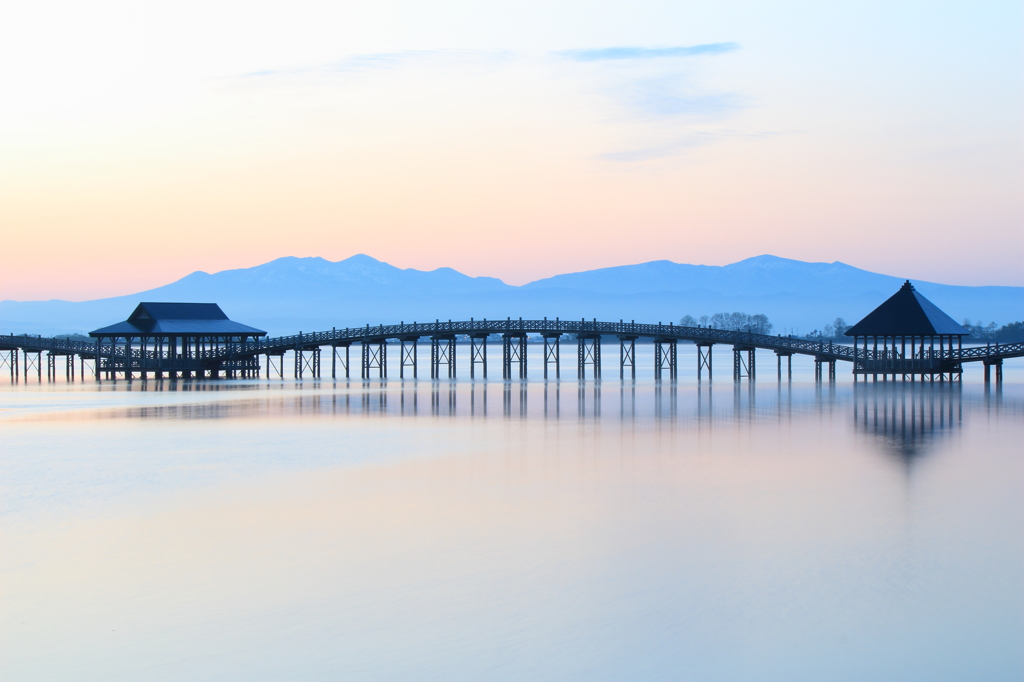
[
  {"x": 610, "y": 53},
  {"x": 678, "y": 146},
  {"x": 662, "y": 90},
  {"x": 655, "y": 85},
  {"x": 673, "y": 96},
  {"x": 386, "y": 60},
  {"x": 659, "y": 151}
]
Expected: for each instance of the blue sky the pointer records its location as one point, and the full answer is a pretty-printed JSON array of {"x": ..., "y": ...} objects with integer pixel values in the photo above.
[{"x": 886, "y": 135}]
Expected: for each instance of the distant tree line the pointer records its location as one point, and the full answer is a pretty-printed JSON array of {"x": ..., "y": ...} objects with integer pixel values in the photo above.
[
  {"x": 733, "y": 322},
  {"x": 833, "y": 330},
  {"x": 66, "y": 337},
  {"x": 988, "y": 333},
  {"x": 1008, "y": 333}
]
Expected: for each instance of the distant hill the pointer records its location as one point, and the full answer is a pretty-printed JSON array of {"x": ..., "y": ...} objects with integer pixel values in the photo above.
[{"x": 292, "y": 294}]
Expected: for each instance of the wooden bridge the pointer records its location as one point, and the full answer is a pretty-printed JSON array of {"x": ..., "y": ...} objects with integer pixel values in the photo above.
[{"x": 131, "y": 357}]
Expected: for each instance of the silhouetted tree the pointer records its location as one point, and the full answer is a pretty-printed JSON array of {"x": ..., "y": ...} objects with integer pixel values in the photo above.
[
  {"x": 741, "y": 322},
  {"x": 832, "y": 330},
  {"x": 988, "y": 333},
  {"x": 1010, "y": 333}
]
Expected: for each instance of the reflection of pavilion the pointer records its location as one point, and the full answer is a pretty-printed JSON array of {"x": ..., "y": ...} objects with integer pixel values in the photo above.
[{"x": 907, "y": 418}]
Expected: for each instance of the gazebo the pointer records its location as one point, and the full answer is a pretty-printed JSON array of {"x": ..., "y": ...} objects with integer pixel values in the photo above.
[
  {"x": 179, "y": 339},
  {"x": 907, "y": 336}
]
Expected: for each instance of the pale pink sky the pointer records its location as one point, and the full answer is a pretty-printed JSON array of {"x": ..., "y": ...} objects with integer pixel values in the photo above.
[{"x": 137, "y": 148}]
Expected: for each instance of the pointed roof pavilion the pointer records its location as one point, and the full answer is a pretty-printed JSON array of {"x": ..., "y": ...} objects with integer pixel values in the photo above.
[
  {"x": 177, "y": 319},
  {"x": 907, "y": 313}
]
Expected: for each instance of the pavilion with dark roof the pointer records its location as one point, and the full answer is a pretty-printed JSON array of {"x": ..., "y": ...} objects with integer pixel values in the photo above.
[
  {"x": 181, "y": 339},
  {"x": 906, "y": 336}
]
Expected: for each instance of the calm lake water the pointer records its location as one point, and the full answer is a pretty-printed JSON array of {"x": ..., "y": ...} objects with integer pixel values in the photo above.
[{"x": 333, "y": 530}]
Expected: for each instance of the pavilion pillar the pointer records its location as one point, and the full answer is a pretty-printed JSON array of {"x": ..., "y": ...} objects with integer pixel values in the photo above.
[
  {"x": 931, "y": 356},
  {"x": 886, "y": 355},
  {"x": 854, "y": 359},
  {"x": 913, "y": 357},
  {"x": 874, "y": 356},
  {"x": 942, "y": 347},
  {"x": 903, "y": 357}
]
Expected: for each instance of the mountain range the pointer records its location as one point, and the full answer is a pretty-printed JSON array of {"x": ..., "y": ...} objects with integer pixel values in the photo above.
[{"x": 292, "y": 294}]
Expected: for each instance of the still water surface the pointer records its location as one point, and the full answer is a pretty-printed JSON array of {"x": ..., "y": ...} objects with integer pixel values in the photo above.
[{"x": 321, "y": 530}]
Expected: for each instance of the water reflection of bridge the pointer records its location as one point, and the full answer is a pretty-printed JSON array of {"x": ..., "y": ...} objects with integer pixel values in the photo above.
[{"x": 903, "y": 420}]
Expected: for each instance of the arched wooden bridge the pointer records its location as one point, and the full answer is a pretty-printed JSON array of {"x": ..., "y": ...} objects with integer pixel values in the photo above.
[{"x": 132, "y": 357}]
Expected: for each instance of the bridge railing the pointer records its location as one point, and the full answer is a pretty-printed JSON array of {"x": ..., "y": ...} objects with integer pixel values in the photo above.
[
  {"x": 47, "y": 343},
  {"x": 545, "y": 326},
  {"x": 367, "y": 333},
  {"x": 1003, "y": 350}
]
